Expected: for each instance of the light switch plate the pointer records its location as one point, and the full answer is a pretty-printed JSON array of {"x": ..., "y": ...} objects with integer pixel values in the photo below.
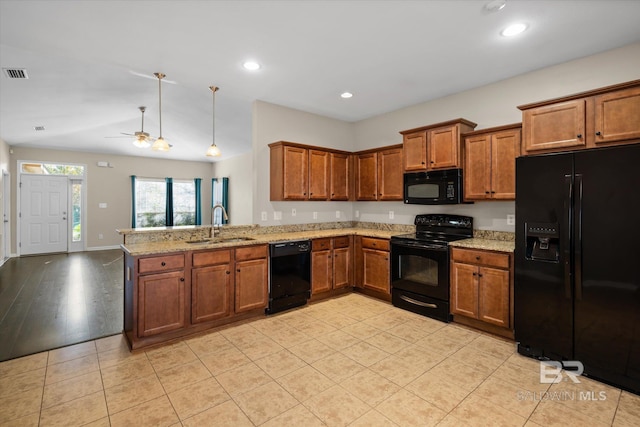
[
  {"x": 277, "y": 215},
  {"x": 102, "y": 205},
  {"x": 357, "y": 214},
  {"x": 337, "y": 214},
  {"x": 264, "y": 216},
  {"x": 315, "y": 215},
  {"x": 391, "y": 214}
]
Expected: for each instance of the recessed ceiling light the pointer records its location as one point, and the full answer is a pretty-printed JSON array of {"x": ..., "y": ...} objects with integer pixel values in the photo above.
[
  {"x": 514, "y": 29},
  {"x": 346, "y": 95},
  {"x": 251, "y": 65}
]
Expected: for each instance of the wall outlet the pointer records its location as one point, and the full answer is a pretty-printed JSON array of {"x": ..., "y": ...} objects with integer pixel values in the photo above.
[
  {"x": 315, "y": 215},
  {"x": 357, "y": 214},
  {"x": 102, "y": 205},
  {"x": 100, "y": 236},
  {"x": 391, "y": 214},
  {"x": 511, "y": 220},
  {"x": 293, "y": 212},
  {"x": 264, "y": 216},
  {"x": 337, "y": 214},
  {"x": 277, "y": 215}
]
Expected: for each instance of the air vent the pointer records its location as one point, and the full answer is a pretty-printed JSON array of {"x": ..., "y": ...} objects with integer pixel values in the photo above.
[
  {"x": 15, "y": 73},
  {"x": 38, "y": 128}
]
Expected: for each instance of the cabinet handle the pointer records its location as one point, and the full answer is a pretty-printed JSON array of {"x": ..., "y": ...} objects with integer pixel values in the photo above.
[
  {"x": 432, "y": 162},
  {"x": 228, "y": 272},
  {"x": 333, "y": 194},
  {"x": 493, "y": 192},
  {"x": 477, "y": 258},
  {"x": 386, "y": 259},
  {"x": 473, "y": 274},
  {"x": 311, "y": 194},
  {"x": 238, "y": 270},
  {"x": 182, "y": 279},
  {"x": 479, "y": 275},
  {"x": 486, "y": 192},
  {"x": 579, "y": 136},
  {"x": 304, "y": 194},
  {"x": 423, "y": 163},
  {"x": 163, "y": 263},
  {"x": 598, "y": 133}
]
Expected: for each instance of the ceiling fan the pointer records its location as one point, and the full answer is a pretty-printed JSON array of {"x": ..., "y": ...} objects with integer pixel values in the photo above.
[{"x": 142, "y": 138}]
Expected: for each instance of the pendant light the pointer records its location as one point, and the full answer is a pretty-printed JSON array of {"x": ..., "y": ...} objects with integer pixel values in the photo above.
[
  {"x": 142, "y": 137},
  {"x": 160, "y": 144},
  {"x": 213, "y": 150}
]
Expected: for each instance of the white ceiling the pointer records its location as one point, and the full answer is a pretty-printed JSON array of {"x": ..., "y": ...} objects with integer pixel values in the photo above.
[{"x": 83, "y": 59}]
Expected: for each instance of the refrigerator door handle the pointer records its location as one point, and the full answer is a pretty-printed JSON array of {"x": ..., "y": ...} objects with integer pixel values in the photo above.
[
  {"x": 578, "y": 238},
  {"x": 568, "y": 188}
]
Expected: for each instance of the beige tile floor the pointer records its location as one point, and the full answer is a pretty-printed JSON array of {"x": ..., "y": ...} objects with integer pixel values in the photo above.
[{"x": 350, "y": 361}]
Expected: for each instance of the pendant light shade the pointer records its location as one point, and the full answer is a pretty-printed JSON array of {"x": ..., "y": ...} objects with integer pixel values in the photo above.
[
  {"x": 213, "y": 150},
  {"x": 160, "y": 144}
]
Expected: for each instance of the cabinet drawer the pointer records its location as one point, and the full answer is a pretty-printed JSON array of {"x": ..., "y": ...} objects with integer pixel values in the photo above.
[
  {"x": 320, "y": 244},
  {"x": 252, "y": 252},
  {"x": 201, "y": 259},
  {"x": 160, "y": 263},
  {"x": 379, "y": 244},
  {"x": 341, "y": 242},
  {"x": 480, "y": 257}
]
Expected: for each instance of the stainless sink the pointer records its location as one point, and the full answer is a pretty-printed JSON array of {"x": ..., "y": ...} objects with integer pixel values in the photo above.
[{"x": 199, "y": 241}]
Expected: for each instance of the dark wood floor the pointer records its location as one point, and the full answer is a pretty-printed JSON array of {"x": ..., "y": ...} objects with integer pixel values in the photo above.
[{"x": 50, "y": 301}]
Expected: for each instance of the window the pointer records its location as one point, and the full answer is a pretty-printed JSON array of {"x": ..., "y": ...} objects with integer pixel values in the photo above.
[
  {"x": 76, "y": 209},
  {"x": 184, "y": 203},
  {"x": 159, "y": 202},
  {"x": 150, "y": 202},
  {"x": 51, "y": 169}
]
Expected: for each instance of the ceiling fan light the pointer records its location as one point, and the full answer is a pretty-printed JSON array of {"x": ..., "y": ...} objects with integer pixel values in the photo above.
[
  {"x": 213, "y": 151},
  {"x": 141, "y": 142},
  {"x": 160, "y": 145}
]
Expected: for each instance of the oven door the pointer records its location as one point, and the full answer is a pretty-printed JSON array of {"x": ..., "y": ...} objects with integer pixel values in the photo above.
[{"x": 420, "y": 269}]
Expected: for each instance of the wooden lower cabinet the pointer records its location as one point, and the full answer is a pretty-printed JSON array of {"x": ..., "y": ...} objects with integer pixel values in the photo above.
[
  {"x": 251, "y": 278},
  {"x": 482, "y": 289},
  {"x": 165, "y": 290},
  {"x": 211, "y": 286},
  {"x": 374, "y": 265},
  {"x": 330, "y": 264}
]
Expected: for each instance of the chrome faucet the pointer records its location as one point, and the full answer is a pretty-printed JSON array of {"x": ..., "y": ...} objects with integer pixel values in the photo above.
[{"x": 215, "y": 228}]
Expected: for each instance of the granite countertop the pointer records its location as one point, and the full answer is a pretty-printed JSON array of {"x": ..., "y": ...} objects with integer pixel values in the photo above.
[
  {"x": 157, "y": 247},
  {"x": 485, "y": 244}
]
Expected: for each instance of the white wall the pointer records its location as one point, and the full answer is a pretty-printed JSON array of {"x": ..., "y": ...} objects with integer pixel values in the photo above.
[
  {"x": 239, "y": 170},
  {"x": 273, "y": 123},
  {"x": 488, "y": 106},
  {"x": 112, "y": 186}
]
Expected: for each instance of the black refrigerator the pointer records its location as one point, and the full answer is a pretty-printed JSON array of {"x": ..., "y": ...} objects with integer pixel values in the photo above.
[{"x": 577, "y": 261}]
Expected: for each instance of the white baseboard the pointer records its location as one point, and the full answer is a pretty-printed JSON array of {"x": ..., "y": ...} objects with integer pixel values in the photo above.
[{"x": 103, "y": 248}]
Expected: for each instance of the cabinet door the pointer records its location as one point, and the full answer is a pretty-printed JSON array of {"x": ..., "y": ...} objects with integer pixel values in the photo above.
[
  {"x": 554, "y": 127},
  {"x": 251, "y": 285},
  {"x": 321, "y": 271},
  {"x": 210, "y": 293},
  {"x": 340, "y": 172},
  {"x": 318, "y": 175},
  {"x": 341, "y": 267},
  {"x": 390, "y": 184},
  {"x": 617, "y": 116},
  {"x": 443, "y": 148},
  {"x": 296, "y": 173},
  {"x": 477, "y": 167},
  {"x": 415, "y": 151},
  {"x": 505, "y": 147},
  {"x": 376, "y": 274},
  {"x": 494, "y": 296},
  {"x": 464, "y": 289},
  {"x": 367, "y": 176},
  {"x": 161, "y": 303}
]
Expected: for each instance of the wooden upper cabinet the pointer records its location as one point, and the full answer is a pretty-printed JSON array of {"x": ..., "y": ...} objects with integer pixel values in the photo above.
[
  {"x": 601, "y": 117},
  {"x": 555, "y": 127},
  {"x": 490, "y": 163},
  {"x": 318, "y": 175},
  {"x": 415, "y": 151},
  {"x": 617, "y": 116},
  {"x": 436, "y": 146},
  {"x": 367, "y": 176},
  {"x": 390, "y": 184},
  {"x": 289, "y": 171},
  {"x": 340, "y": 176}
]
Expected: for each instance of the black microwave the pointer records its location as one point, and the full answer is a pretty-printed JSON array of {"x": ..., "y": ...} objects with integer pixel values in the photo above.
[{"x": 441, "y": 187}]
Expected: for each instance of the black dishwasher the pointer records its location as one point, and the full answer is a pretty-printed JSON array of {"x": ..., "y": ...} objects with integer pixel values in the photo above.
[{"x": 289, "y": 275}]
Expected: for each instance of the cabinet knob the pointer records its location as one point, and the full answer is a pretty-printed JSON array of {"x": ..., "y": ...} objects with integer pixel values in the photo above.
[
  {"x": 311, "y": 194},
  {"x": 228, "y": 272},
  {"x": 579, "y": 136},
  {"x": 479, "y": 275},
  {"x": 493, "y": 192},
  {"x": 333, "y": 194},
  {"x": 486, "y": 192},
  {"x": 598, "y": 133},
  {"x": 304, "y": 194},
  {"x": 163, "y": 263},
  {"x": 432, "y": 162},
  {"x": 238, "y": 270},
  {"x": 473, "y": 274},
  {"x": 478, "y": 258},
  {"x": 182, "y": 279},
  {"x": 423, "y": 163}
]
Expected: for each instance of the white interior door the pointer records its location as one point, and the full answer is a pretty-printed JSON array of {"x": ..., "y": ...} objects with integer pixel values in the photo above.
[{"x": 43, "y": 214}]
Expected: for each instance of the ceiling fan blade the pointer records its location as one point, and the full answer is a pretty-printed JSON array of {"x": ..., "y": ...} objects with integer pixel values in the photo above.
[
  {"x": 151, "y": 76},
  {"x": 118, "y": 136}
]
